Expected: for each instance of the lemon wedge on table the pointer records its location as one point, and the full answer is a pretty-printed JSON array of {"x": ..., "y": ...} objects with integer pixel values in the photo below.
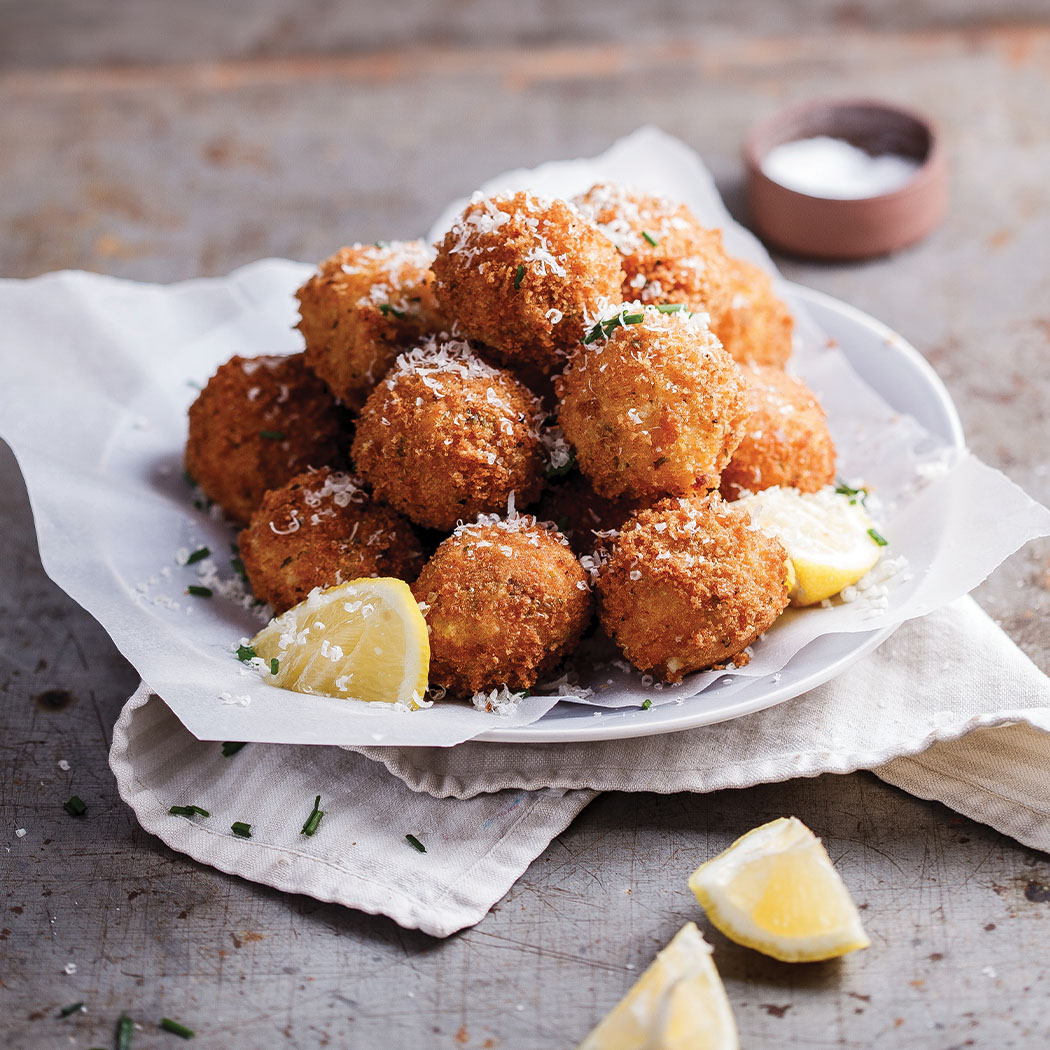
[
  {"x": 678, "y": 1003},
  {"x": 827, "y": 535},
  {"x": 776, "y": 890},
  {"x": 365, "y": 640}
]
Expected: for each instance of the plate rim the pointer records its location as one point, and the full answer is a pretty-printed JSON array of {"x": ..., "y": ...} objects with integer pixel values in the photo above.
[{"x": 631, "y": 722}]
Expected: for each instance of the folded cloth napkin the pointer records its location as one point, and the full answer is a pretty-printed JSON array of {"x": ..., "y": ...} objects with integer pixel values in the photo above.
[{"x": 948, "y": 708}]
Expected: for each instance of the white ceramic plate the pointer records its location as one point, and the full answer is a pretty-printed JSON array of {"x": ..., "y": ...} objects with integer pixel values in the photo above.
[{"x": 901, "y": 375}]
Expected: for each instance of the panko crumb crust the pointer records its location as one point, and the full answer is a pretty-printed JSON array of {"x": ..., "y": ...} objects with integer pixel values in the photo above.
[
  {"x": 786, "y": 440},
  {"x": 447, "y": 436},
  {"x": 756, "y": 327},
  {"x": 258, "y": 422},
  {"x": 689, "y": 585},
  {"x": 655, "y": 407},
  {"x": 320, "y": 529},
  {"x": 505, "y": 600},
  {"x": 521, "y": 274},
  {"x": 364, "y": 305},
  {"x": 668, "y": 257}
]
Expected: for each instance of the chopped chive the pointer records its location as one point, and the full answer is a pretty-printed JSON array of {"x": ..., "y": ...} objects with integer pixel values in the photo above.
[
  {"x": 559, "y": 472},
  {"x": 125, "y": 1027},
  {"x": 606, "y": 328},
  {"x": 199, "y": 592},
  {"x": 273, "y": 435},
  {"x": 75, "y": 807},
  {"x": 231, "y": 747},
  {"x": 179, "y": 1029},
  {"x": 671, "y": 308},
  {"x": 275, "y": 665},
  {"x": 314, "y": 819},
  {"x": 238, "y": 567},
  {"x": 646, "y": 705},
  {"x": 415, "y": 843},
  {"x": 519, "y": 275},
  {"x": 386, "y": 310},
  {"x": 238, "y": 827},
  {"x": 878, "y": 537},
  {"x": 188, "y": 811},
  {"x": 246, "y": 653},
  {"x": 72, "y": 1008},
  {"x": 198, "y": 555},
  {"x": 650, "y": 238},
  {"x": 563, "y": 523},
  {"x": 845, "y": 490}
]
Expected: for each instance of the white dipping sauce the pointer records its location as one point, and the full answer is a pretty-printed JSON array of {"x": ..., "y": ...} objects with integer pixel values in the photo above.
[{"x": 827, "y": 167}]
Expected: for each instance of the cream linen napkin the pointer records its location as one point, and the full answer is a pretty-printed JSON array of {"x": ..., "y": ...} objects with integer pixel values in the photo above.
[
  {"x": 359, "y": 856},
  {"x": 948, "y": 708}
]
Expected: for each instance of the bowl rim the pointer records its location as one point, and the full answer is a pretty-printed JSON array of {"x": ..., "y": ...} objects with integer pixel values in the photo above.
[{"x": 929, "y": 169}]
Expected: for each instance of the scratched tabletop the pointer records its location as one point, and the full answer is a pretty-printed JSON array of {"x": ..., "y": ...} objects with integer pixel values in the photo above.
[{"x": 159, "y": 141}]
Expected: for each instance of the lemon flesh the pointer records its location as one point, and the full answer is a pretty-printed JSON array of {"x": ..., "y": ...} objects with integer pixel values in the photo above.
[
  {"x": 678, "y": 1003},
  {"x": 776, "y": 890},
  {"x": 362, "y": 640},
  {"x": 825, "y": 533}
]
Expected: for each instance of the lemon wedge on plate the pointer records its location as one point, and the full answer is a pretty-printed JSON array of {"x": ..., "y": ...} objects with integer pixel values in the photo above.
[
  {"x": 363, "y": 640},
  {"x": 828, "y": 537},
  {"x": 677, "y": 1004},
  {"x": 776, "y": 890}
]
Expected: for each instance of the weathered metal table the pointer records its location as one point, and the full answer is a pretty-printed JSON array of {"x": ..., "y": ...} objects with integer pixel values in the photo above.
[{"x": 166, "y": 141}]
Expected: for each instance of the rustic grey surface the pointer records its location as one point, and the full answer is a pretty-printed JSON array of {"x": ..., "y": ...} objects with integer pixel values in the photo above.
[{"x": 211, "y": 139}]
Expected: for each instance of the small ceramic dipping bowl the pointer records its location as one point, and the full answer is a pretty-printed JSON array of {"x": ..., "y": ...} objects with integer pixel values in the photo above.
[{"x": 827, "y": 226}]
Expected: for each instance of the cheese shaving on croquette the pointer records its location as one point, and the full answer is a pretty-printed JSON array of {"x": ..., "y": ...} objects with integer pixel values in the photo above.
[
  {"x": 436, "y": 357},
  {"x": 626, "y": 215},
  {"x": 484, "y": 217}
]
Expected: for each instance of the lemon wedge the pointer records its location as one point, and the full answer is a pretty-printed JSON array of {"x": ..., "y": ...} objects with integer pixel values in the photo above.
[
  {"x": 677, "y": 1004},
  {"x": 776, "y": 890},
  {"x": 827, "y": 536},
  {"x": 365, "y": 640}
]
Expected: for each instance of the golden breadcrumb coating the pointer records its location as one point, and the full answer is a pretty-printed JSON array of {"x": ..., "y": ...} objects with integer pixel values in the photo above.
[
  {"x": 447, "y": 436},
  {"x": 655, "y": 407},
  {"x": 320, "y": 529},
  {"x": 522, "y": 274},
  {"x": 667, "y": 256},
  {"x": 690, "y": 584},
  {"x": 688, "y": 264},
  {"x": 364, "y": 306},
  {"x": 786, "y": 439},
  {"x": 258, "y": 422},
  {"x": 506, "y": 601},
  {"x": 580, "y": 513},
  {"x": 756, "y": 326}
]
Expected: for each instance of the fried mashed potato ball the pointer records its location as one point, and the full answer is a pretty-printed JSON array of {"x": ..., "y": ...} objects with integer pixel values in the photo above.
[
  {"x": 756, "y": 327},
  {"x": 786, "y": 439},
  {"x": 522, "y": 274},
  {"x": 668, "y": 257},
  {"x": 653, "y": 406},
  {"x": 364, "y": 306},
  {"x": 258, "y": 422},
  {"x": 690, "y": 584},
  {"x": 447, "y": 436},
  {"x": 320, "y": 529},
  {"x": 506, "y": 601}
]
